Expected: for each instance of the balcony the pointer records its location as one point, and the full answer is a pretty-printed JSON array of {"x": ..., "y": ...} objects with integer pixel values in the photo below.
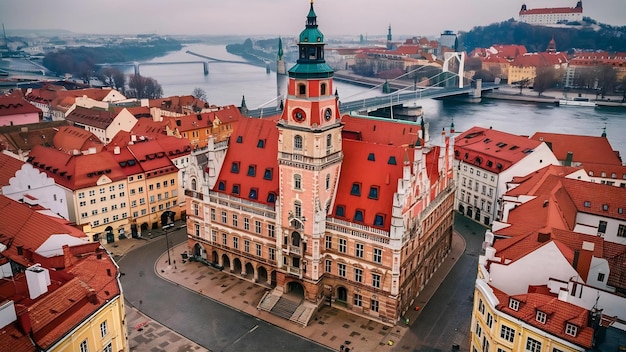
[
  {"x": 295, "y": 250},
  {"x": 193, "y": 194},
  {"x": 295, "y": 271}
]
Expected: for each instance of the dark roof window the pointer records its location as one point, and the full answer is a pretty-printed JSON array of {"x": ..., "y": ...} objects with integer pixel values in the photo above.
[
  {"x": 371, "y": 157},
  {"x": 235, "y": 189},
  {"x": 252, "y": 170},
  {"x": 239, "y": 139},
  {"x": 234, "y": 168},
  {"x": 271, "y": 197},
  {"x": 501, "y": 144},
  {"x": 340, "y": 211},
  {"x": 221, "y": 186},
  {"x": 261, "y": 143},
  {"x": 254, "y": 193},
  {"x": 392, "y": 160},
  {"x": 358, "y": 215},
  {"x": 379, "y": 220},
  {"x": 267, "y": 175},
  {"x": 356, "y": 189},
  {"x": 587, "y": 204},
  {"x": 373, "y": 192}
]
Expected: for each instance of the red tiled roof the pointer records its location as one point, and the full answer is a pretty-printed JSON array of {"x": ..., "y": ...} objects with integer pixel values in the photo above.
[
  {"x": 492, "y": 150},
  {"x": 540, "y": 59},
  {"x": 8, "y": 167},
  {"x": 528, "y": 185},
  {"x": 615, "y": 254},
  {"x": 11, "y": 105},
  {"x": 598, "y": 196},
  {"x": 552, "y": 10},
  {"x": 558, "y": 313},
  {"x": 152, "y": 158},
  {"x": 75, "y": 171},
  {"x": 380, "y": 131},
  {"x": 70, "y": 138},
  {"x": 92, "y": 117},
  {"x": 591, "y": 149},
  {"x": 244, "y": 151}
]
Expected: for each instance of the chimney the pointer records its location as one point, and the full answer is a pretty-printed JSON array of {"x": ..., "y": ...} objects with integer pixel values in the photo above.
[
  {"x": 585, "y": 255},
  {"x": 38, "y": 280},
  {"x": 116, "y": 150},
  {"x": 568, "y": 159},
  {"x": 67, "y": 257}
]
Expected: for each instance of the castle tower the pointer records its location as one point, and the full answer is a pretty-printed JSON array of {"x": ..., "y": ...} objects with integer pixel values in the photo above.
[
  {"x": 309, "y": 158},
  {"x": 281, "y": 75}
]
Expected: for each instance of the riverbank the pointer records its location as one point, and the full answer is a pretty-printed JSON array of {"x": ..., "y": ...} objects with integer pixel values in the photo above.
[{"x": 550, "y": 97}]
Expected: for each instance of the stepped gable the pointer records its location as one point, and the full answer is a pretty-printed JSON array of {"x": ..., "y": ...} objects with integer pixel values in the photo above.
[
  {"x": 8, "y": 167},
  {"x": 69, "y": 138},
  {"x": 75, "y": 171},
  {"x": 585, "y": 149},
  {"x": 558, "y": 313},
  {"x": 253, "y": 145},
  {"x": 12, "y": 105}
]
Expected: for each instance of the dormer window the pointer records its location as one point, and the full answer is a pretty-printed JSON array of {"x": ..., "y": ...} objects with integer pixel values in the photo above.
[
  {"x": 252, "y": 170},
  {"x": 254, "y": 193},
  {"x": 541, "y": 317},
  {"x": 373, "y": 192},
  {"x": 236, "y": 189},
  {"x": 571, "y": 329},
  {"x": 392, "y": 160},
  {"x": 239, "y": 139},
  {"x": 267, "y": 175},
  {"x": 358, "y": 215},
  {"x": 605, "y": 207},
  {"x": 340, "y": 211},
  {"x": 379, "y": 220},
  {"x": 514, "y": 304},
  {"x": 591, "y": 173},
  {"x": 221, "y": 186},
  {"x": 587, "y": 204},
  {"x": 261, "y": 143},
  {"x": 356, "y": 189},
  {"x": 271, "y": 197},
  {"x": 234, "y": 168},
  {"x": 371, "y": 157}
]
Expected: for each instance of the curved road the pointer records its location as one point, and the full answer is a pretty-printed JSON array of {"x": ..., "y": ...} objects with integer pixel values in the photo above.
[{"x": 202, "y": 320}]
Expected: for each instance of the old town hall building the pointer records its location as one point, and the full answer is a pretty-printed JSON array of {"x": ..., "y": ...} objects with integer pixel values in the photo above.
[{"x": 323, "y": 208}]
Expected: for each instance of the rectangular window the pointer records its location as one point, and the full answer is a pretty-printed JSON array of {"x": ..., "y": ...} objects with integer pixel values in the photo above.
[
  {"x": 541, "y": 317},
  {"x": 108, "y": 348},
  {"x": 214, "y": 236},
  {"x": 378, "y": 255},
  {"x": 246, "y": 246},
  {"x": 259, "y": 250},
  {"x": 235, "y": 220},
  {"x": 376, "y": 280},
  {"x": 602, "y": 227},
  {"x": 246, "y": 224},
  {"x": 83, "y": 346},
  {"x": 271, "y": 253},
  {"x": 342, "y": 245},
  {"x": 507, "y": 333},
  {"x": 601, "y": 277},
  {"x": 358, "y": 275},
  {"x": 571, "y": 329},
  {"x": 358, "y": 300},
  {"x": 621, "y": 231},
  {"x": 481, "y": 306},
  {"x": 329, "y": 242},
  {"x": 341, "y": 269},
  {"x": 81, "y": 195},
  {"x": 489, "y": 320},
  {"x": 358, "y": 250},
  {"x": 374, "y": 305},
  {"x": 235, "y": 242},
  {"x": 224, "y": 239},
  {"x": 533, "y": 345},
  {"x": 270, "y": 230},
  {"x": 257, "y": 226},
  {"x": 223, "y": 217},
  {"x": 328, "y": 266},
  {"x": 514, "y": 304},
  {"x": 103, "y": 329},
  {"x": 197, "y": 229},
  {"x": 212, "y": 214}
]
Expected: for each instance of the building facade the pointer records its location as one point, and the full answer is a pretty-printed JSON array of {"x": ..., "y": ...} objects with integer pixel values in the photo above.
[
  {"x": 287, "y": 201},
  {"x": 552, "y": 16}
]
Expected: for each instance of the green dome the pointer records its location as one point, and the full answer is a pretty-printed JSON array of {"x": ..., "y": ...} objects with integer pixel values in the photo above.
[{"x": 311, "y": 35}]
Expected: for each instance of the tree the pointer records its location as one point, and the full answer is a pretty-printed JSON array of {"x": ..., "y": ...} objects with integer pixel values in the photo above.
[
  {"x": 143, "y": 87},
  {"x": 607, "y": 78},
  {"x": 119, "y": 80},
  {"x": 199, "y": 93},
  {"x": 622, "y": 85},
  {"x": 544, "y": 79},
  {"x": 113, "y": 77},
  {"x": 523, "y": 83},
  {"x": 485, "y": 75},
  {"x": 473, "y": 64}
]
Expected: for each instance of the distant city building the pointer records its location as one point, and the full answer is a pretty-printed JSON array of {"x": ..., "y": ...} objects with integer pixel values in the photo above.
[
  {"x": 524, "y": 67},
  {"x": 284, "y": 202},
  {"x": 552, "y": 16},
  {"x": 448, "y": 39},
  {"x": 579, "y": 73},
  {"x": 17, "y": 111}
]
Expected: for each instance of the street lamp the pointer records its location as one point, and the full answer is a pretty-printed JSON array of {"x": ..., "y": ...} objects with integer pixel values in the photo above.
[{"x": 167, "y": 243}]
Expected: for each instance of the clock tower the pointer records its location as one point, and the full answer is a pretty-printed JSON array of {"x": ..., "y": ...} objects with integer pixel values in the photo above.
[{"x": 309, "y": 158}]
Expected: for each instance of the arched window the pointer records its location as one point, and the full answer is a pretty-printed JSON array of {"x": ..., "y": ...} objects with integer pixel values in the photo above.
[
  {"x": 297, "y": 181},
  {"x": 193, "y": 184},
  {"x": 327, "y": 182},
  {"x": 271, "y": 197},
  {"x": 323, "y": 89},
  {"x": 297, "y": 142},
  {"x": 295, "y": 239},
  {"x": 221, "y": 186}
]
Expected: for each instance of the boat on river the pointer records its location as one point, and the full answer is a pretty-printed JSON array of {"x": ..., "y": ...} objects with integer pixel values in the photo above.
[{"x": 578, "y": 101}]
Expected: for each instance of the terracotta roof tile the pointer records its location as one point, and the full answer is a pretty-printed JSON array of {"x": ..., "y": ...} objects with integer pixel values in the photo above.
[
  {"x": 8, "y": 167},
  {"x": 585, "y": 149},
  {"x": 10, "y": 105}
]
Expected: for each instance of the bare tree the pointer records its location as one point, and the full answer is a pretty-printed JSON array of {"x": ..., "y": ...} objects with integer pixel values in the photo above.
[
  {"x": 119, "y": 81},
  {"x": 544, "y": 79},
  {"x": 199, "y": 93},
  {"x": 143, "y": 87},
  {"x": 607, "y": 78},
  {"x": 522, "y": 83},
  {"x": 111, "y": 76}
]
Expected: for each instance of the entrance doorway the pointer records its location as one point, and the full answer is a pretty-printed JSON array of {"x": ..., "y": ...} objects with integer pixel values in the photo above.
[
  {"x": 295, "y": 289},
  {"x": 342, "y": 294}
]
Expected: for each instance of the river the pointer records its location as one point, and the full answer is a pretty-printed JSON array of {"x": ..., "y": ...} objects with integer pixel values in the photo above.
[{"x": 226, "y": 83}]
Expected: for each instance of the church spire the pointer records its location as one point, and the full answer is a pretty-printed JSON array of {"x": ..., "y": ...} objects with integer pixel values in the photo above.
[{"x": 280, "y": 48}]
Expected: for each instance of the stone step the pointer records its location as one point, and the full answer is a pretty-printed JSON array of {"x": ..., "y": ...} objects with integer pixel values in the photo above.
[{"x": 284, "y": 308}]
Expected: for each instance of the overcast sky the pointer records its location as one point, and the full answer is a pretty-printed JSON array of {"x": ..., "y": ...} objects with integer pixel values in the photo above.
[{"x": 279, "y": 17}]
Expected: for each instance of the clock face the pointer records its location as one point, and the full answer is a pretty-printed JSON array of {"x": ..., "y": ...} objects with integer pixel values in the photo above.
[
  {"x": 298, "y": 115},
  {"x": 328, "y": 114}
]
